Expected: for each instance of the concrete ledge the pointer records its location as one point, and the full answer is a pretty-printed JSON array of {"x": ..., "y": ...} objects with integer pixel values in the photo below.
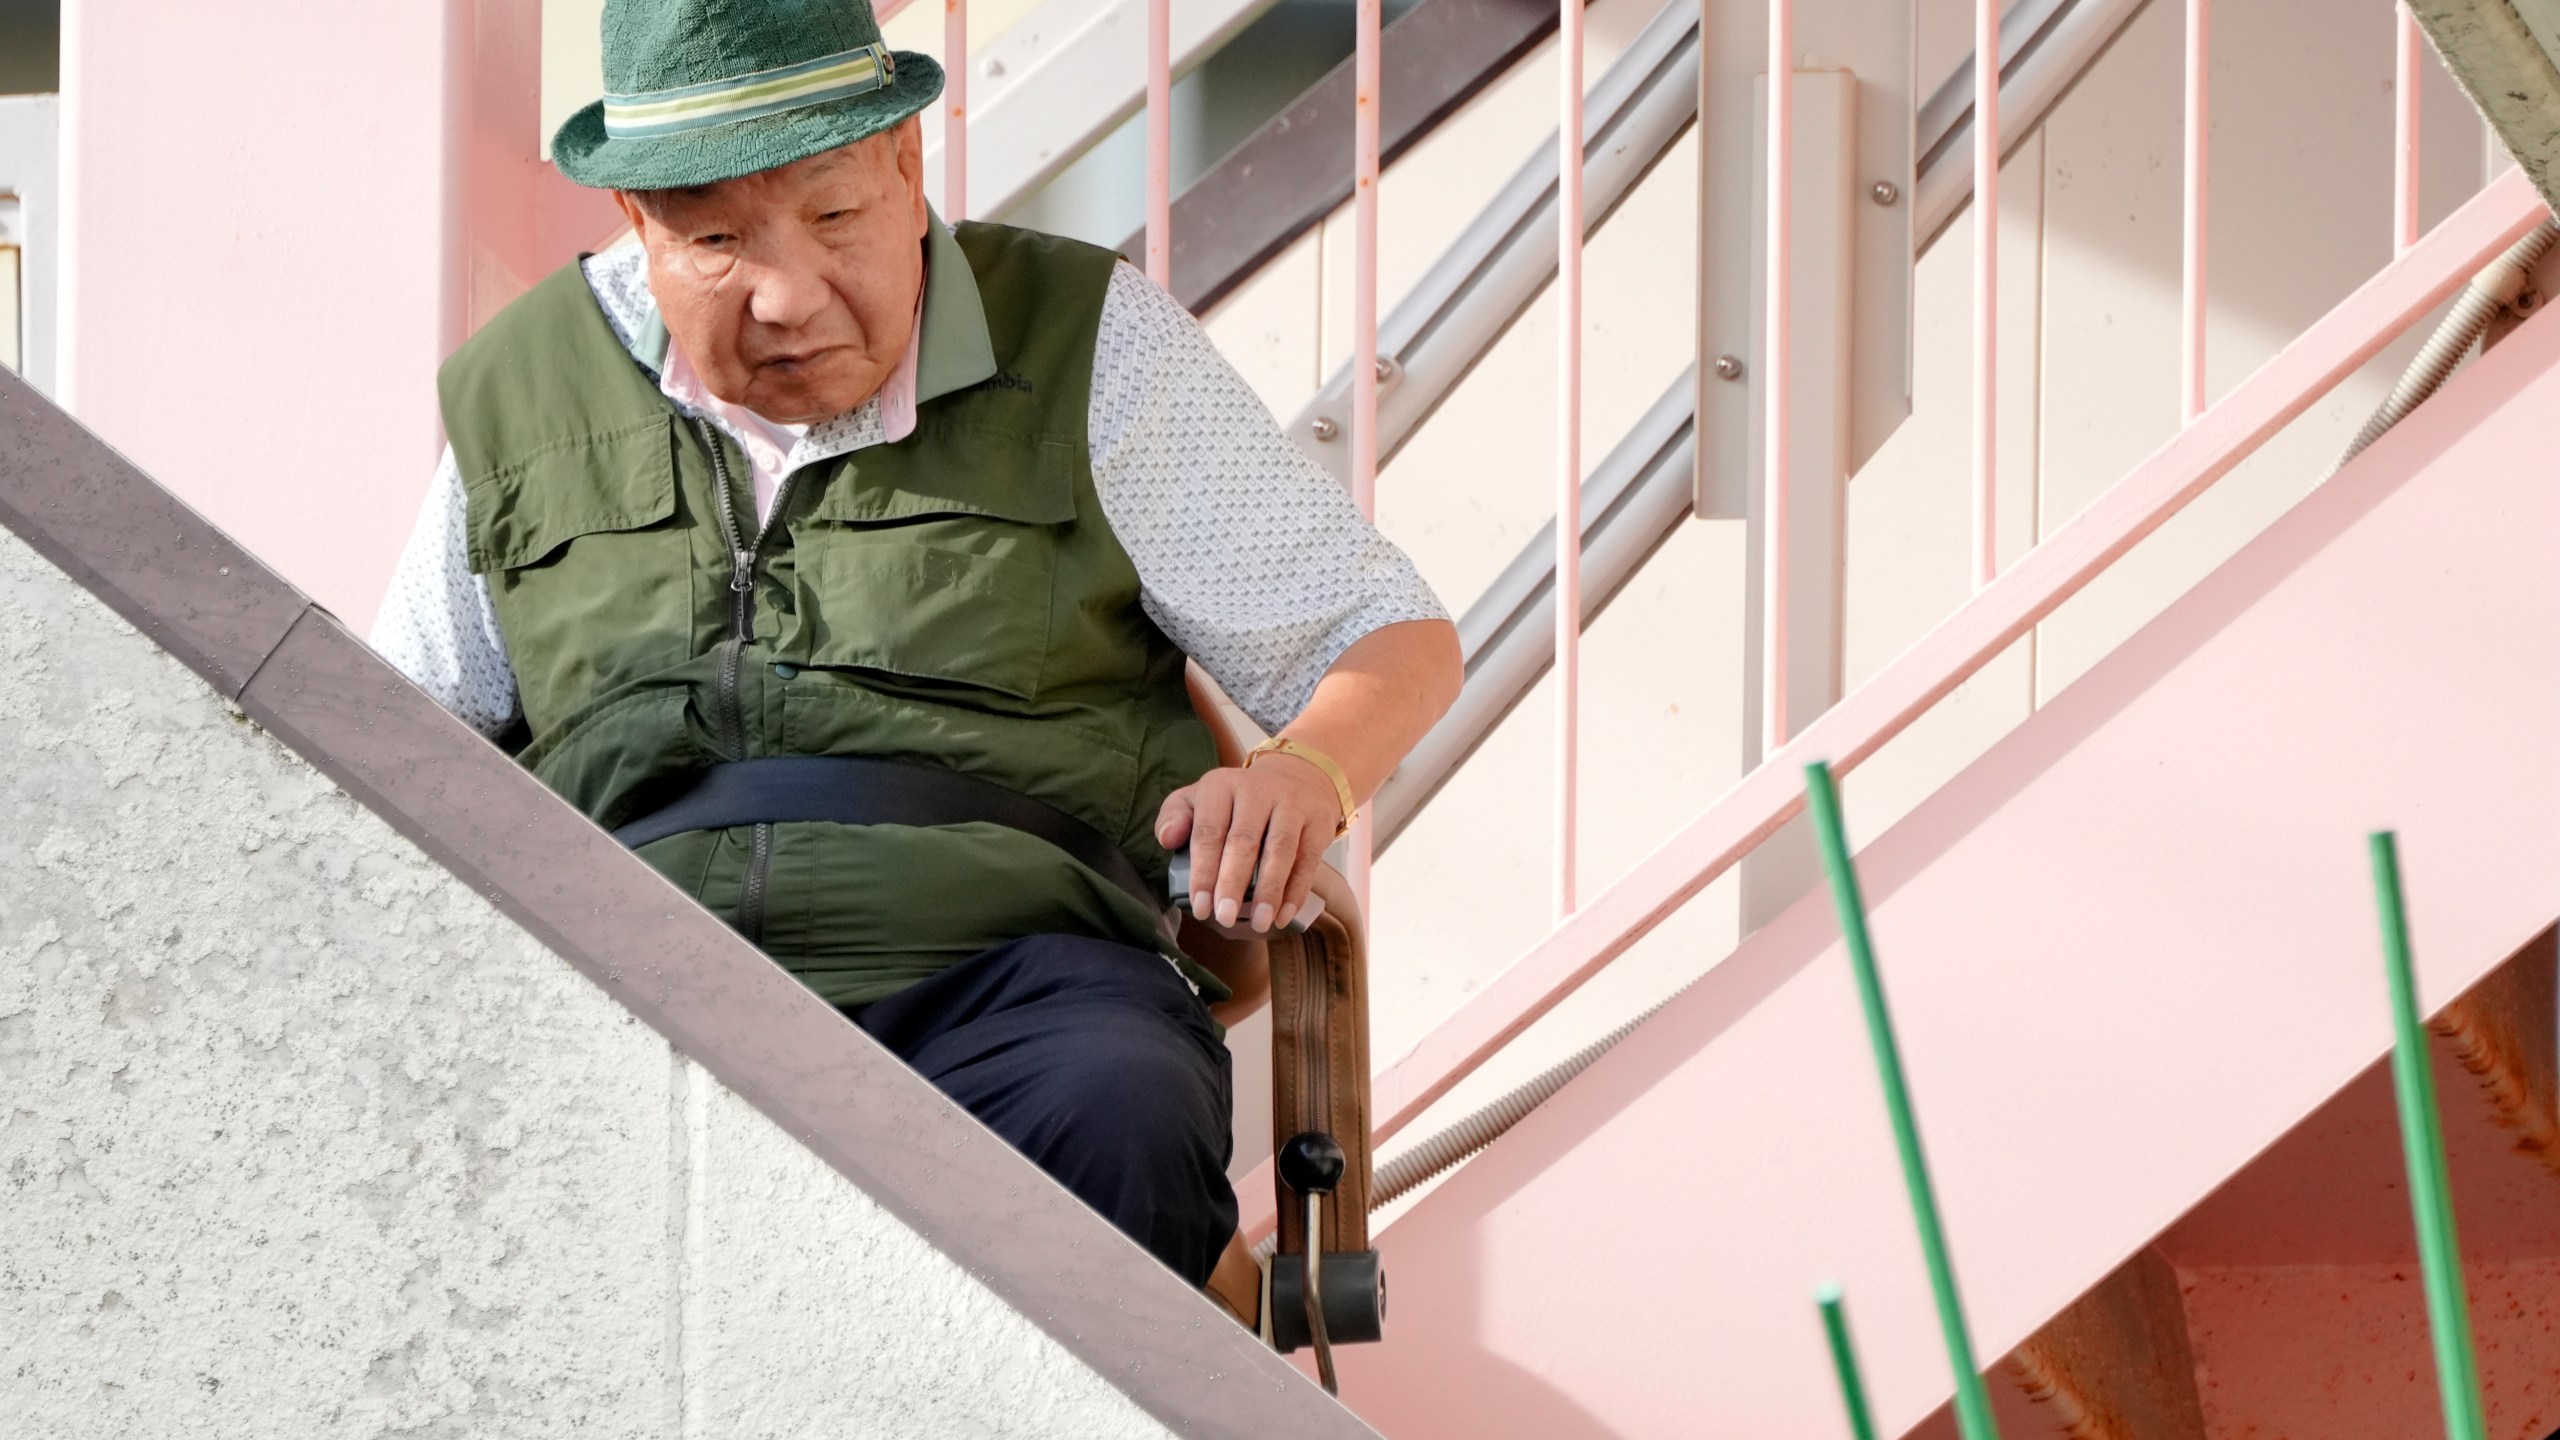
[{"x": 295, "y": 670}]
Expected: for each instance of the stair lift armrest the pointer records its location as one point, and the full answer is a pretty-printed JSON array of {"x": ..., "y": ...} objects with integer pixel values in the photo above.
[
  {"x": 1320, "y": 1057},
  {"x": 1316, "y": 978}
]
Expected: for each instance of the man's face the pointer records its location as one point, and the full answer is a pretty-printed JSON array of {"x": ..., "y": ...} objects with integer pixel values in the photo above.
[{"x": 793, "y": 291}]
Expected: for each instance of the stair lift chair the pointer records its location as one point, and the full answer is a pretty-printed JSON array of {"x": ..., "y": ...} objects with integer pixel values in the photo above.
[{"x": 1316, "y": 979}]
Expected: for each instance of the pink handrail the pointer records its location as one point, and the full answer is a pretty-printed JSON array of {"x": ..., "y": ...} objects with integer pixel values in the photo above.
[
  {"x": 2191, "y": 307},
  {"x": 2404, "y": 137},
  {"x": 1568, "y": 447},
  {"x": 1986, "y": 292},
  {"x": 1160, "y": 142},
  {"x": 955, "y": 110},
  {"x": 1366, "y": 18},
  {"x": 1980, "y": 629}
]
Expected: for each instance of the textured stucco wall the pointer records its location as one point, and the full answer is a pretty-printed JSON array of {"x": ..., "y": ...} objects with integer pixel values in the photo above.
[{"x": 301, "y": 1137}]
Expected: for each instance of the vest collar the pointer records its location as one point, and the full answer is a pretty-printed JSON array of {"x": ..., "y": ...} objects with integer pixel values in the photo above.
[
  {"x": 956, "y": 351},
  {"x": 953, "y": 349}
]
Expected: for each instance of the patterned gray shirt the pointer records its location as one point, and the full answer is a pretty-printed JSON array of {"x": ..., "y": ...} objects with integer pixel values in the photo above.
[{"x": 1251, "y": 558}]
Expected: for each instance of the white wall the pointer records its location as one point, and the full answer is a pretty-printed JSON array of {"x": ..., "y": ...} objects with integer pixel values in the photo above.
[{"x": 303, "y": 1138}]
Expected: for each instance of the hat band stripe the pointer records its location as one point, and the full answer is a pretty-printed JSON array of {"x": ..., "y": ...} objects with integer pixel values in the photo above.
[{"x": 767, "y": 92}]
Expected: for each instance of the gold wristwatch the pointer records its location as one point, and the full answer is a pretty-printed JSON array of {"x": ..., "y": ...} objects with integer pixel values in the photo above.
[{"x": 1283, "y": 745}]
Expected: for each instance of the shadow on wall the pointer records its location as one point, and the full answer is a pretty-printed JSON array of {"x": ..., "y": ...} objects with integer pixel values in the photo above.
[
  {"x": 1496, "y": 1384},
  {"x": 30, "y": 47}
]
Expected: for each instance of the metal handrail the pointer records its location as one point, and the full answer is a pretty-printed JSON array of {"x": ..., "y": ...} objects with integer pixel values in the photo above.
[
  {"x": 2046, "y": 44},
  {"x": 1995, "y": 617},
  {"x": 1506, "y": 256}
]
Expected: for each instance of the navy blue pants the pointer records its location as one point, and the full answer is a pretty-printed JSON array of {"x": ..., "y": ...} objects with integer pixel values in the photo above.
[{"x": 1096, "y": 1061}]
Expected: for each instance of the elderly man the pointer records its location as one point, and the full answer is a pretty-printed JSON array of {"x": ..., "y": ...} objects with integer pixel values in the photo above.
[{"x": 846, "y": 566}]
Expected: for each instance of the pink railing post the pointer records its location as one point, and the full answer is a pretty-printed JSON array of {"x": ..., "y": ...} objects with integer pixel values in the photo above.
[
  {"x": 955, "y": 110},
  {"x": 1364, "y": 322},
  {"x": 2404, "y": 146},
  {"x": 1568, "y": 445},
  {"x": 1160, "y": 142},
  {"x": 2191, "y": 309},
  {"x": 1986, "y": 292},
  {"x": 1773, "y": 382}
]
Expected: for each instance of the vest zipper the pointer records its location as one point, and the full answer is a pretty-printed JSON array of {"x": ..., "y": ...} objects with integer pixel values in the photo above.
[
  {"x": 743, "y": 556},
  {"x": 742, "y": 599}
]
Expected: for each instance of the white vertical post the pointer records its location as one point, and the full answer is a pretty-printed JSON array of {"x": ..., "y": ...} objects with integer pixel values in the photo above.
[
  {"x": 955, "y": 110},
  {"x": 1568, "y": 448},
  {"x": 1986, "y": 292},
  {"x": 1773, "y": 381},
  {"x": 1160, "y": 142},
  {"x": 1829, "y": 193},
  {"x": 1364, "y": 320},
  {"x": 2191, "y": 310}
]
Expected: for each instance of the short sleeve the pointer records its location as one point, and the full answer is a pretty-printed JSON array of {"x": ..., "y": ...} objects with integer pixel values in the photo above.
[
  {"x": 1251, "y": 558},
  {"x": 436, "y": 625}
]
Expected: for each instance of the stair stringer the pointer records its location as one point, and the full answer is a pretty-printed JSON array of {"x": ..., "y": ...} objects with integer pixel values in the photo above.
[
  {"x": 2501, "y": 1031},
  {"x": 2117, "y": 1364},
  {"x": 2127, "y": 950}
]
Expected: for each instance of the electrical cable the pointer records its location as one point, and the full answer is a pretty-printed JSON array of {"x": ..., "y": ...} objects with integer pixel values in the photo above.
[{"x": 2491, "y": 291}]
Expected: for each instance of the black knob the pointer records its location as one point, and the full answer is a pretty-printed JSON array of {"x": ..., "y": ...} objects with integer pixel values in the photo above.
[{"x": 1312, "y": 1163}]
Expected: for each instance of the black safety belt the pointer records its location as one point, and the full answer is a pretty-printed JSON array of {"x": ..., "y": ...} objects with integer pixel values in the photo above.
[{"x": 852, "y": 790}]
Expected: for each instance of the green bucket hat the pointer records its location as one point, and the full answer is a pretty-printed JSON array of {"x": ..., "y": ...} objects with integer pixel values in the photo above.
[{"x": 699, "y": 91}]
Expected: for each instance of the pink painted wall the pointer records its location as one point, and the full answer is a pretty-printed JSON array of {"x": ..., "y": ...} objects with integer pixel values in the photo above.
[
  {"x": 282, "y": 217},
  {"x": 2128, "y": 950}
]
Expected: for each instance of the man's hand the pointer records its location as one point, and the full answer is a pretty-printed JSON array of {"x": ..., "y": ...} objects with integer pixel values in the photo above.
[
  {"x": 1382, "y": 692},
  {"x": 1280, "y": 814}
]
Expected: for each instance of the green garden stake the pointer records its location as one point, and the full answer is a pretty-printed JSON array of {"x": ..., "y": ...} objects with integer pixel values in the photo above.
[
  {"x": 1844, "y": 1362},
  {"x": 2422, "y": 1144},
  {"x": 1973, "y": 1403}
]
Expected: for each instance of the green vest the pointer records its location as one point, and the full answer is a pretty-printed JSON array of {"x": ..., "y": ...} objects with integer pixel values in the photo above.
[{"x": 954, "y": 599}]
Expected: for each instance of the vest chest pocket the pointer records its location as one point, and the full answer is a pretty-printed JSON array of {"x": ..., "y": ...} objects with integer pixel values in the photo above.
[
  {"x": 587, "y": 569},
  {"x": 949, "y": 581}
]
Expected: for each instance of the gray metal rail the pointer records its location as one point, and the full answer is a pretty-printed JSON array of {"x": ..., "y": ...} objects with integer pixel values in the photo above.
[
  {"x": 1287, "y": 176},
  {"x": 1507, "y": 254},
  {"x": 1639, "y": 494},
  {"x": 1630, "y": 505}
]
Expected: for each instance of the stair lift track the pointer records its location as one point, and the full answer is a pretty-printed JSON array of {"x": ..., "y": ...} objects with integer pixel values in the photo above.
[{"x": 1471, "y": 295}]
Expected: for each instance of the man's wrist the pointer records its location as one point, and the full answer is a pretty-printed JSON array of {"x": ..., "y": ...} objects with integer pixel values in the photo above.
[{"x": 1325, "y": 764}]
